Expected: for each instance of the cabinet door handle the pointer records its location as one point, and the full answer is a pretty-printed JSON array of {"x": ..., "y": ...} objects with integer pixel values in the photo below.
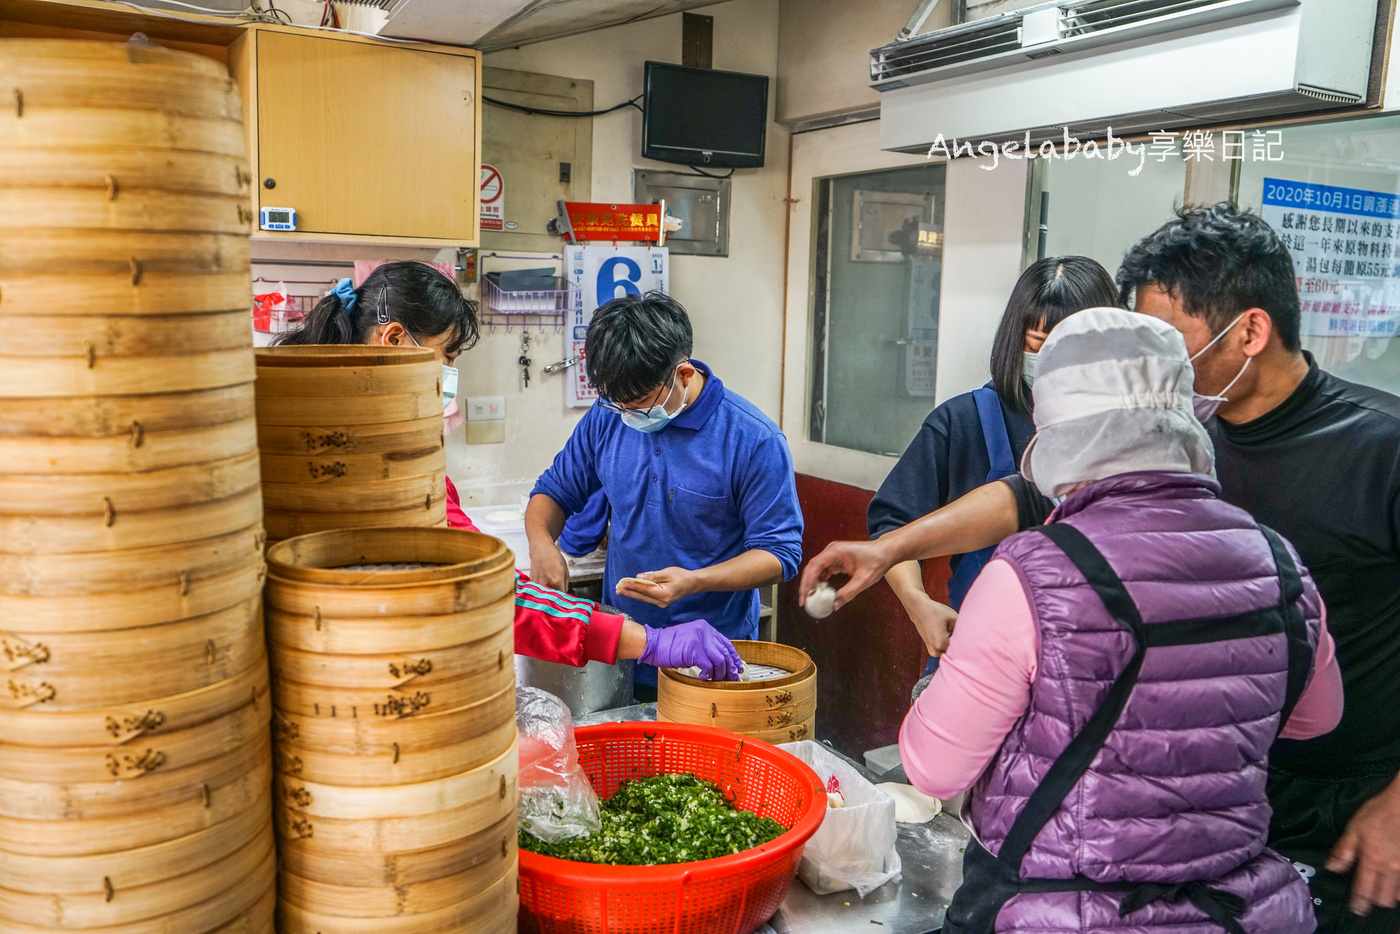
[{"x": 269, "y": 183}]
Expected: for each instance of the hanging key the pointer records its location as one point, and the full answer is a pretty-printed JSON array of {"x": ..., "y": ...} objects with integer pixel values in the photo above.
[{"x": 525, "y": 357}]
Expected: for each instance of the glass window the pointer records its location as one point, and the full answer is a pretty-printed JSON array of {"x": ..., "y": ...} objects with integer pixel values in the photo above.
[
  {"x": 878, "y": 267},
  {"x": 1094, "y": 208},
  {"x": 1332, "y": 192}
]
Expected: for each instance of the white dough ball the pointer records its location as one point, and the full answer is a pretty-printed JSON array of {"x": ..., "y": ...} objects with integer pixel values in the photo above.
[{"x": 822, "y": 601}]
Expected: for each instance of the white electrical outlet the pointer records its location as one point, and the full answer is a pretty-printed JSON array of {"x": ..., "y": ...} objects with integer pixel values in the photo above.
[{"x": 486, "y": 408}]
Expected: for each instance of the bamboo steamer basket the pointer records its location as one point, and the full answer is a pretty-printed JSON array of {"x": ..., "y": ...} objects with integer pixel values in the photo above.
[
  {"x": 406, "y": 766},
  {"x": 55, "y": 251},
  {"x": 424, "y": 669},
  {"x": 135, "y": 451},
  {"x": 388, "y": 901},
  {"x": 95, "y": 375},
  {"x": 281, "y": 524},
  {"x": 110, "y": 529},
  {"x": 118, "y": 667},
  {"x": 488, "y": 911},
  {"x": 414, "y": 494},
  {"x": 176, "y": 887},
  {"x": 338, "y": 635},
  {"x": 350, "y": 440},
  {"x": 332, "y": 470},
  {"x": 125, "y": 170},
  {"x": 761, "y": 709},
  {"x": 393, "y": 705},
  {"x": 104, "y": 340},
  {"x": 127, "y": 419},
  {"x": 120, "y": 494},
  {"x": 119, "y": 725},
  {"x": 487, "y": 853},
  {"x": 134, "y": 291}
]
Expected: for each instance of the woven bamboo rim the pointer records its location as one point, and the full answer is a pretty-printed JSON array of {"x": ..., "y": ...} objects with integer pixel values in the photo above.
[
  {"x": 408, "y": 767},
  {"x": 774, "y": 654},
  {"x": 283, "y": 525},
  {"x": 101, "y": 338},
  {"x": 485, "y": 783},
  {"x": 136, "y": 867},
  {"x": 199, "y": 799},
  {"x": 395, "y": 704},
  {"x": 125, "y": 170},
  {"x": 188, "y": 800},
  {"x": 120, "y": 494},
  {"x": 743, "y": 721},
  {"x": 351, "y": 440},
  {"x": 59, "y": 130},
  {"x": 115, "y": 668},
  {"x": 423, "y": 669},
  {"x": 114, "y": 530},
  {"x": 175, "y": 750},
  {"x": 396, "y": 834},
  {"x": 807, "y": 729},
  {"x": 405, "y": 493},
  {"x": 123, "y": 724},
  {"x": 334, "y": 471},
  {"x": 136, "y": 451},
  {"x": 17, "y": 57},
  {"x": 54, "y": 84},
  {"x": 349, "y": 383},
  {"x": 390, "y": 901},
  {"x": 342, "y": 355},
  {"x": 484, "y": 852},
  {"x": 319, "y": 561},
  {"x": 368, "y": 410},
  {"x": 133, "y": 291},
  {"x": 489, "y": 911},
  {"x": 126, "y": 418},
  {"x": 58, "y": 252},
  {"x": 397, "y": 738},
  {"x": 36, "y": 377},
  {"x": 482, "y": 594},
  {"x": 340, "y": 636}
]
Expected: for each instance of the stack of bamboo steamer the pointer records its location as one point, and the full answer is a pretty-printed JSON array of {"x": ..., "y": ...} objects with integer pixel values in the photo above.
[
  {"x": 134, "y": 754},
  {"x": 779, "y": 709},
  {"x": 394, "y": 696},
  {"x": 351, "y": 437}
]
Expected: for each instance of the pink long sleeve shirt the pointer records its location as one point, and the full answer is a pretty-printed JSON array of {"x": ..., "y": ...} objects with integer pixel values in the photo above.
[{"x": 984, "y": 683}]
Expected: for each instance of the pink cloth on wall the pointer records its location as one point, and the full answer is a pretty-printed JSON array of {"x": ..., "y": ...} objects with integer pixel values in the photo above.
[
  {"x": 983, "y": 687},
  {"x": 363, "y": 267}
]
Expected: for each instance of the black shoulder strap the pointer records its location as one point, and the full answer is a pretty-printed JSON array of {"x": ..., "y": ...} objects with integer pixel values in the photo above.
[
  {"x": 1070, "y": 767},
  {"x": 1300, "y": 651}
]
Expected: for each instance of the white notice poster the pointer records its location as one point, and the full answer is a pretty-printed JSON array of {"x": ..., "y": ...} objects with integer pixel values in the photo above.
[
  {"x": 601, "y": 274},
  {"x": 1345, "y": 244}
]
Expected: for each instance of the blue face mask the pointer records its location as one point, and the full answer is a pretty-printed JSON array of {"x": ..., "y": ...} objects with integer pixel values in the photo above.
[{"x": 654, "y": 418}]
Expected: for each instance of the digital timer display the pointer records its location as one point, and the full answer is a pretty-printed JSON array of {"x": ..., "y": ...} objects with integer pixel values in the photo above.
[{"x": 279, "y": 219}]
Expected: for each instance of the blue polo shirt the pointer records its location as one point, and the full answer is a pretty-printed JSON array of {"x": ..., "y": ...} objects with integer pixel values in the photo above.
[{"x": 714, "y": 483}]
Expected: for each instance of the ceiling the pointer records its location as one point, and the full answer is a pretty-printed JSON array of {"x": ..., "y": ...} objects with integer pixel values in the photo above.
[{"x": 498, "y": 24}]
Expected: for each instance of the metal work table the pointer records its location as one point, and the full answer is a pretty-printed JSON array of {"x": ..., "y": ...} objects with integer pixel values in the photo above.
[{"x": 932, "y": 871}]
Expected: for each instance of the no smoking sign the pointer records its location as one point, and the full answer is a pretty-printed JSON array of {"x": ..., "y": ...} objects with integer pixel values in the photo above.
[{"x": 493, "y": 199}]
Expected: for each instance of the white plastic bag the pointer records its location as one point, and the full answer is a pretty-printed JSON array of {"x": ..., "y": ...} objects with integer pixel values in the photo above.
[
  {"x": 557, "y": 801},
  {"x": 854, "y": 847}
]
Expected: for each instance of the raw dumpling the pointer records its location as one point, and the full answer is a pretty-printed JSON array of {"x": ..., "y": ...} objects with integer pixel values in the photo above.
[{"x": 822, "y": 601}]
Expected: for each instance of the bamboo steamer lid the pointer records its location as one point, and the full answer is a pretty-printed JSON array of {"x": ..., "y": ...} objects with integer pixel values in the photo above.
[
  {"x": 127, "y": 419},
  {"x": 403, "y": 767},
  {"x": 91, "y": 494},
  {"x": 82, "y": 671},
  {"x": 174, "y": 750},
  {"x": 349, "y": 440},
  {"x": 113, "y": 530},
  {"x": 761, "y": 709},
  {"x": 491, "y": 910},
  {"x": 385, "y": 738},
  {"x": 404, "y": 898},
  {"x": 460, "y": 663},
  {"x": 487, "y": 852},
  {"x": 98, "y": 817},
  {"x": 342, "y": 636},
  {"x": 127, "y": 722},
  {"x": 59, "y": 252},
  {"x": 137, "y": 450}
]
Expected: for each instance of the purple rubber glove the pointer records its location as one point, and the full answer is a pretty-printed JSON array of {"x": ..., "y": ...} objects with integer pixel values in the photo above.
[{"x": 696, "y": 643}]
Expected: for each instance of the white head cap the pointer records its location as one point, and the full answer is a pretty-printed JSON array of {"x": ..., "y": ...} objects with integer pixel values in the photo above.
[{"x": 1113, "y": 395}]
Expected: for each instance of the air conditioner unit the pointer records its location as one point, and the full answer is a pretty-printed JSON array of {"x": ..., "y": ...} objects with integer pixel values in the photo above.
[{"x": 1133, "y": 65}]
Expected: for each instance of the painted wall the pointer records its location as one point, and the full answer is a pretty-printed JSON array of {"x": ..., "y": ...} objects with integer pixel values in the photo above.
[{"x": 735, "y": 303}]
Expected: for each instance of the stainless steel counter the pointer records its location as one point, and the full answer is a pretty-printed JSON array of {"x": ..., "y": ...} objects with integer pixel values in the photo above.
[{"x": 932, "y": 854}]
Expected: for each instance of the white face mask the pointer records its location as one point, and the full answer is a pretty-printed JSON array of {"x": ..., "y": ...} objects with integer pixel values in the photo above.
[
  {"x": 449, "y": 378},
  {"x": 1030, "y": 360},
  {"x": 656, "y": 417},
  {"x": 1206, "y": 406}
]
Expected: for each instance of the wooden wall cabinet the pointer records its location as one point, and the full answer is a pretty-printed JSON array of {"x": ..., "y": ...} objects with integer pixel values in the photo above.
[{"x": 370, "y": 141}]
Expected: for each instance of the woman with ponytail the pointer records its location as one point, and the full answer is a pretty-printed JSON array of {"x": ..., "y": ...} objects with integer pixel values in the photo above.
[{"x": 405, "y": 304}]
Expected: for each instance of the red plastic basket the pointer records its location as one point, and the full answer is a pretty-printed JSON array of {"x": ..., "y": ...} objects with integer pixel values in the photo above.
[{"x": 730, "y": 895}]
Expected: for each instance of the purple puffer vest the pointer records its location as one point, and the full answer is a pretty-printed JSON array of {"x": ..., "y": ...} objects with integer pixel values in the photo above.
[{"x": 1177, "y": 792}]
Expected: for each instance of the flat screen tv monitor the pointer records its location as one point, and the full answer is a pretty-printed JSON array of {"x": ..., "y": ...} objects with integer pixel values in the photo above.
[{"x": 703, "y": 117}]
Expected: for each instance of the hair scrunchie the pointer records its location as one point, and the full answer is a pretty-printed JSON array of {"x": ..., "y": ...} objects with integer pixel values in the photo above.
[{"x": 345, "y": 291}]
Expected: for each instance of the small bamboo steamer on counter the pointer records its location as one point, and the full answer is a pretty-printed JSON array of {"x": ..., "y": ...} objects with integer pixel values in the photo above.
[{"x": 773, "y": 710}]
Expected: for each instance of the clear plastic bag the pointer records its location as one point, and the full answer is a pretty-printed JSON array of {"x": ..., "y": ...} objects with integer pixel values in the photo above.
[
  {"x": 557, "y": 802},
  {"x": 855, "y": 846}
]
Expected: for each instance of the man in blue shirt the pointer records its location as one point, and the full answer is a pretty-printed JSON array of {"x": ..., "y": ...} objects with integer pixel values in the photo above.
[{"x": 704, "y": 501}]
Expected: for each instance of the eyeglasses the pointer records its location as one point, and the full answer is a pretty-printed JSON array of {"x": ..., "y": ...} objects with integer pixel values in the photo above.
[{"x": 612, "y": 406}]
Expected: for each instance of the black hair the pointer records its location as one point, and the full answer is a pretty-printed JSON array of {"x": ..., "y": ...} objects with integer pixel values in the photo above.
[
  {"x": 1048, "y": 292},
  {"x": 417, "y": 296},
  {"x": 1218, "y": 262},
  {"x": 634, "y": 343}
]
